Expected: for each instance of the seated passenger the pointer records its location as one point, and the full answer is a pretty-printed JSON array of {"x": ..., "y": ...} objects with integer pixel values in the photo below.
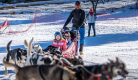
[
  {"x": 66, "y": 29},
  {"x": 72, "y": 33},
  {"x": 59, "y": 41},
  {"x": 67, "y": 38}
]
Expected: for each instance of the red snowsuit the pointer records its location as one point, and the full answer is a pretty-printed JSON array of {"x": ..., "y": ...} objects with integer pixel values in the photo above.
[{"x": 62, "y": 44}]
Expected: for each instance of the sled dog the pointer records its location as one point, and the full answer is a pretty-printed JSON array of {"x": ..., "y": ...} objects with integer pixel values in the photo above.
[
  {"x": 35, "y": 58},
  {"x": 42, "y": 72},
  {"x": 109, "y": 70},
  {"x": 17, "y": 56}
]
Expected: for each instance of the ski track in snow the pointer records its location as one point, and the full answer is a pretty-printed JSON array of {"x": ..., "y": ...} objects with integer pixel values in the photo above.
[{"x": 111, "y": 41}]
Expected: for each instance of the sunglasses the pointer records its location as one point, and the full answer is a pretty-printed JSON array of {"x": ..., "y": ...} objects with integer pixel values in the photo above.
[
  {"x": 66, "y": 31},
  {"x": 66, "y": 36},
  {"x": 77, "y": 5}
]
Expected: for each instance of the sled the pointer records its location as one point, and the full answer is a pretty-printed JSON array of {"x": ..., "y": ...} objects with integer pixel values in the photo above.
[{"x": 73, "y": 48}]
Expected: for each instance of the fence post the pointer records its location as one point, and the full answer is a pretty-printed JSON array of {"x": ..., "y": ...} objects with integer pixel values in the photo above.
[
  {"x": 135, "y": 17},
  {"x": 103, "y": 15}
]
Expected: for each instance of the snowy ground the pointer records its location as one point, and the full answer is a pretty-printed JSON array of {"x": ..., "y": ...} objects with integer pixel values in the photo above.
[{"x": 116, "y": 35}]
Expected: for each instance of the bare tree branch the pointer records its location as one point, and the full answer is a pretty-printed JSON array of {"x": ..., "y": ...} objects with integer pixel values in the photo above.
[{"x": 95, "y": 3}]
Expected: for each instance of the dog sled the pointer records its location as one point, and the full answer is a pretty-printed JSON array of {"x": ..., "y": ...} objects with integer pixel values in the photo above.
[{"x": 73, "y": 48}]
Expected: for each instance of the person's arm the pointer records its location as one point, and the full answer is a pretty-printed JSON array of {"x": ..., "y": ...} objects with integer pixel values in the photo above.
[
  {"x": 68, "y": 20},
  {"x": 82, "y": 19},
  {"x": 95, "y": 16},
  {"x": 69, "y": 42},
  {"x": 64, "y": 46},
  {"x": 87, "y": 15}
]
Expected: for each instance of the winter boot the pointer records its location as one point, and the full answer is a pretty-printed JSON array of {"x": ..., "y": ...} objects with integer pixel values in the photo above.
[
  {"x": 88, "y": 34},
  {"x": 94, "y": 34},
  {"x": 81, "y": 49}
]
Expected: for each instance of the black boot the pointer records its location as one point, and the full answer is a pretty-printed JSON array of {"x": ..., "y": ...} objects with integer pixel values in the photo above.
[
  {"x": 94, "y": 34},
  {"x": 81, "y": 49},
  {"x": 88, "y": 34}
]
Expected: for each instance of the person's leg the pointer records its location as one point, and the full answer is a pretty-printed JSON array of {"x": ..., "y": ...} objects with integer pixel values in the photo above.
[
  {"x": 82, "y": 37},
  {"x": 93, "y": 26},
  {"x": 89, "y": 24},
  {"x": 74, "y": 29}
]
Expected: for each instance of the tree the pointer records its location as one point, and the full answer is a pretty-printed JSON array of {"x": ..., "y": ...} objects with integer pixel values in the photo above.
[
  {"x": 136, "y": 5},
  {"x": 95, "y": 2}
]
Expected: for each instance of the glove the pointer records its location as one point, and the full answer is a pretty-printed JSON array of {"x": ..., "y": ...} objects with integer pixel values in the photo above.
[
  {"x": 64, "y": 27},
  {"x": 95, "y": 17},
  {"x": 62, "y": 31}
]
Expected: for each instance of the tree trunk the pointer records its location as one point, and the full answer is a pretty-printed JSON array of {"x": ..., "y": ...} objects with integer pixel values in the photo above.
[{"x": 136, "y": 7}]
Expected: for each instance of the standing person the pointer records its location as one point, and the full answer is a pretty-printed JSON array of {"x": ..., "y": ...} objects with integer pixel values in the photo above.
[
  {"x": 78, "y": 16},
  {"x": 59, "y": 41},
  {"x": 91, "y": 18}
]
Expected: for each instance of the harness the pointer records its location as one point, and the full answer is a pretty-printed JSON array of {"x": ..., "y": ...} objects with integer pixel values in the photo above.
[
  {"x": 40, "y": 72},
  {"x": 105, "y": 75},
  {"x": 34, "y": 60},
  {"x": 98, "y": 76},
  {"x": 42, "y": 76}
]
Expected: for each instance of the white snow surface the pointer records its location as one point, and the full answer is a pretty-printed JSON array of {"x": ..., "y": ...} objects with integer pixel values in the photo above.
[{"x": 115, "y": 37}]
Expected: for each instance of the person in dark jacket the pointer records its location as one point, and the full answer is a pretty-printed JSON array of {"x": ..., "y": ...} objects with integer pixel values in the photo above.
[{"x": 78, "y": 16}]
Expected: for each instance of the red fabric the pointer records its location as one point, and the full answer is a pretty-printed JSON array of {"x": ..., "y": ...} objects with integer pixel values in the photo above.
[
  {"x": 94, "y": 76},
  {"x": 91, "y": 13},
  {"x": 4, "y": 24},
  {"x": 62, "y": 44},
  {"x": 0, "y": 26}
]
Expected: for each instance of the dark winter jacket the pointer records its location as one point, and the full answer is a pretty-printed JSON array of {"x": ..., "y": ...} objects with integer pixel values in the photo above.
[{"x": 78, "y": 18}]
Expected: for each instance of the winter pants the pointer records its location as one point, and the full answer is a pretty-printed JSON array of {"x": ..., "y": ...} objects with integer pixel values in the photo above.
[
  {"x": 93, "y": 26},
  {"x": 82, "y": 34}
]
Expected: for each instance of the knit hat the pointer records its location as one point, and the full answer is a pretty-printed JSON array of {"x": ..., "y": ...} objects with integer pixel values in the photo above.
[
  {"x": 77, "y": 3},
  {"x": 66, "y": 28},
  {"x": 91, "y": 9},
  {"x": 57, "y": 33}
]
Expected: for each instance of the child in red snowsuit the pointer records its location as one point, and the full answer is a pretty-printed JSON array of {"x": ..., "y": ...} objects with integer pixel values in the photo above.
[{"x": 59, "y": 41}]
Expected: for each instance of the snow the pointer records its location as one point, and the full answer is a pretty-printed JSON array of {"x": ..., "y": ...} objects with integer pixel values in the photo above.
[{"x": 116, "y": 32}]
